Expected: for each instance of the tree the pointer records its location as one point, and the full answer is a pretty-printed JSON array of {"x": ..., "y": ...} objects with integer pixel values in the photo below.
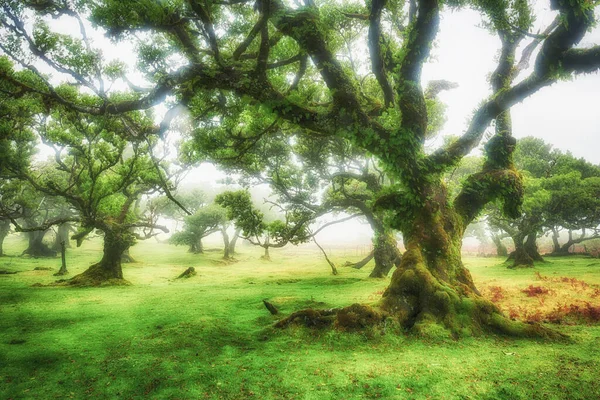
[
  {"x": 525, "y": 229},
  {"x": 561, "y": 192},
  {"x": 102, "y": 176},
  {"x": 205, "y": 221},
  {"x": 258, "y": 54},
  {"x": 256, "y": 230},
  {"x": 319, "y": 175}
]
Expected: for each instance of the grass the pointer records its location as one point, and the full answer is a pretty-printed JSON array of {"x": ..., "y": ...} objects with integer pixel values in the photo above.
[{"x": 209, "y": 336}]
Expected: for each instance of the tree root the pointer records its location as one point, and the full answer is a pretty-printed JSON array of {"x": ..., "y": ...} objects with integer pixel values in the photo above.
[
  {"x": 354, "y": 317},
  {"x": 95, "y": 276},
  {"x": 188, "y": 273}
]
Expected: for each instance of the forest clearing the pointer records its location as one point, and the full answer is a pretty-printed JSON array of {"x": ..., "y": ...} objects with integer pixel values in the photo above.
[{"x": 210, "y": 336}]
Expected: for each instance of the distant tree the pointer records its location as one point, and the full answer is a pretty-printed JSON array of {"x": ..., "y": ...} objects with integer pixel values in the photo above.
[
  {"x": 274, "y": 234},
  {"x": 525, "y": 229},
  {"x": 561, "y": 192},
  {"x": 204, "y": 222}
]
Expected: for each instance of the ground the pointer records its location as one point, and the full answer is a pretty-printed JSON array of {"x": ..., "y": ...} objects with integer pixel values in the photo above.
[{"x": 210, "y": 336}]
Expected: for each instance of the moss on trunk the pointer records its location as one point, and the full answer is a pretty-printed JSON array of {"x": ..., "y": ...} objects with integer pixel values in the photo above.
[
  {"x": 386, "y": 254},
  {"x": 4, "y": 230},
  {"x": 107, "y": 272},
  {"x": 37, "y": 247}
]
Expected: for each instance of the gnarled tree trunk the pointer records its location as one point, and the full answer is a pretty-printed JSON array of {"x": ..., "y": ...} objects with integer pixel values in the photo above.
[
  {"x": 386, "y": 253},
  {"x": 62, "y": 236},
  {"x": 4, "y": 229},
  {"x": 37, "y": 247},
  {"x": 109, "y": 269},
  {"x": 526, "y": 252}
]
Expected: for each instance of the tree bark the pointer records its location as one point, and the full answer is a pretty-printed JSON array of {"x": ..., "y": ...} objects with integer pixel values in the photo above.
[
  {"x": 362, "y": 262},
  {"x": 266, "y": 256},
  {"x": 233, "y": 241},
  {"x": 37, "y": 247},
  {"x": 109, "y": 269},
  {"x": 555, "y": 244},
  {"x": 386, "y": 255},
  {"x": 226, "y": 244},
  {"x": 564, "y": 249},
  {"x": 62, "y": 236},
  {"x": 520, "y": 257},
  {"x": 501, "y": 249},
  {"x": 4, "y": 230},
  {"x": 196, "y": 248},
  {"x": 431, "y": 287},
  {"x": 63, "y": 259},
  {"x": 531, "y": 247}
]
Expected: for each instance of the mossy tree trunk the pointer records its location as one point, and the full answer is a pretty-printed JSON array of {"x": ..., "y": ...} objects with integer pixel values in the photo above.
[
  {"x": 36, "y": 246},
  {"x": 501, "y": 249},
  {"x": 226, "y": 245},
  {"x": 109, "y": 268},
  {"x": 431, "y": 287},
  {"x": 532, "y": 248},
  {"x": 62, "y": 236},
  {"x": 386, "y": 254},
  {"x": 520, "y": 257},
  {"x": 526, "y": 251},
  {"x": 4, "y": 230}
]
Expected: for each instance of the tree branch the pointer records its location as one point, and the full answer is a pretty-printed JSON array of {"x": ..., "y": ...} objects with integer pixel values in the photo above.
[{"x": 377, "y": 62}]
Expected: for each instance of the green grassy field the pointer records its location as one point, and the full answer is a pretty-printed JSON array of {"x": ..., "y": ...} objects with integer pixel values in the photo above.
[{"x": 210, "y": 336}]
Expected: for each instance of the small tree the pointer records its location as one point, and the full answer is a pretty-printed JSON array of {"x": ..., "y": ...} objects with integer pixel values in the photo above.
[
  {"x": 204, "y": 222},
  {"x": 275, "y": 234}
]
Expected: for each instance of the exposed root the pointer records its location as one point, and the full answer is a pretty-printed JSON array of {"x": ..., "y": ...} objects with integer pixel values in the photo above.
[
  {"x": 356, "y": 316},
  {"x": 96, "y": 275},
  {"x": 188, "y": 273}
]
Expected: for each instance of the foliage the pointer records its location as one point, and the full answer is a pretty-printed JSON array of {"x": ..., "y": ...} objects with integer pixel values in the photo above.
[
  {"x": 205, "y": 221},
  {"x": 266, "y": 234}
]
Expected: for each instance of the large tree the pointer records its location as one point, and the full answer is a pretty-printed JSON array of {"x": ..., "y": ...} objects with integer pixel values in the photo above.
[
  {"x": 102, "y": 176},
  {"x": 291, "y": 65}
]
